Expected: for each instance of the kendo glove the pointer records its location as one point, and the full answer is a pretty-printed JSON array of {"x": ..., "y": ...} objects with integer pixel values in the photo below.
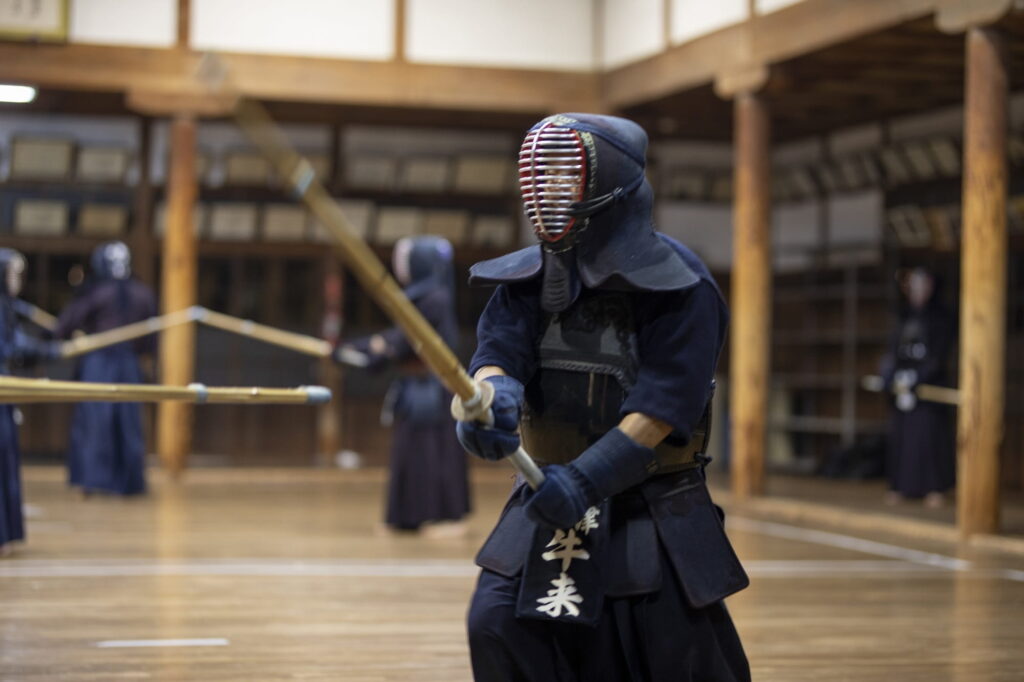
[
  {"x": 501, "y": 438},
  {"x": 609, "y": 466}
]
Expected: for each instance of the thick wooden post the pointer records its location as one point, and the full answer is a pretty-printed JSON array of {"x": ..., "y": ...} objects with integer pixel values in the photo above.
[
  {"x": 983, "y": 285},
  {"x": 141, "y": 237},
  {"x": 751, "y": 295},
  {"x": 177, "y": 345}
]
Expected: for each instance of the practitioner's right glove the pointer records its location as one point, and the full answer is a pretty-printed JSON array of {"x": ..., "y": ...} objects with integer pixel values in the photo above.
[{"x": 500, "y": 439}]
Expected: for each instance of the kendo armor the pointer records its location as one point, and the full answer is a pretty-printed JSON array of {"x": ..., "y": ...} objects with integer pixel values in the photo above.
[
  {"x": 585, "y": 194},
  {"x": 588, "y": 362}
]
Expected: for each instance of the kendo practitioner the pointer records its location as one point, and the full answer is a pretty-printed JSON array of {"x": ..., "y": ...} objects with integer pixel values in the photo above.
[
  {"x": 427, "y": 481},
  {"x": 16, "y": 350},
  {"x": 601, "y": 344},
  {"x": 106, "y": 452},
  {"x": 921, "y": 459}
]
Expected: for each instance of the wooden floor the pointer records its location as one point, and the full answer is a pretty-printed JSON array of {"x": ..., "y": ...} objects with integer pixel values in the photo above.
[{"x": 282, "y": 575}]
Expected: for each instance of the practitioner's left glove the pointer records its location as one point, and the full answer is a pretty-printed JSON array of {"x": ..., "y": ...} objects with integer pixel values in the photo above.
[{"x": 609, "y": 466}]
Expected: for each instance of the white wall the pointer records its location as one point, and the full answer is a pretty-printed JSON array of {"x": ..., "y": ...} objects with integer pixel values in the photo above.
[
  {"x": 345, "y": 29},
  {"x": 145, "y": 23},
  {"x": 631, "y": 30},
  {"x": 695, "y": 154},
  {"x": 693, "y": 18},
  {"x": 705, "y": 228},
  {"x": 855, "y": 219},
  {"x": 504, "y": 33},
  {"x": 766, "y": 6}
]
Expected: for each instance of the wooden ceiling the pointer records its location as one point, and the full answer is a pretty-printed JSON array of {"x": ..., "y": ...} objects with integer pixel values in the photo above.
[
  {"x": 83, "y": 103},
  {"x": 909, "y": 68},
  {"x": 904, "y": 70}
]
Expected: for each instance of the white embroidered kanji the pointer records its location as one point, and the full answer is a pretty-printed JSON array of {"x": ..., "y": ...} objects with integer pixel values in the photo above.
[
  {"x": 565, "y": 548},
  {"x": 564, "y": 596},
  {"x": 589, "y": 521}
]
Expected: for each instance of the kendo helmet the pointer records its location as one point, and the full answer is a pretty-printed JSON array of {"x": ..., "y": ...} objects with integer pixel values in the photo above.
[
  {"x": 574, "y": 166},
  {"x": 12, "y": 272},
  {"x": 587, "y": 198},
  {"x": 422, "y": 262},
  {"x": 112, "y": 260}
]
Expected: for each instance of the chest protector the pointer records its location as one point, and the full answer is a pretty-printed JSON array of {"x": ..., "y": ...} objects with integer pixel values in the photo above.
[{"x": 588, "y": 363}]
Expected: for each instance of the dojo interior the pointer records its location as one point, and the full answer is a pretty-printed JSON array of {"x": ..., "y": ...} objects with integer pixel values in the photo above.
[{"x": 809, "y": 151}]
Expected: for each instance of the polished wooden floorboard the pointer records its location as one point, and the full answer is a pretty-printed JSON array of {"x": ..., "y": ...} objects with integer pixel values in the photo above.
[{"x": 288, "y": 569}]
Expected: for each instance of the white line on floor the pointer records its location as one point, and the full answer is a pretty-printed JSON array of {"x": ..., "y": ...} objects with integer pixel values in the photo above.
[
  {"x": 128, "y": 643},
  {"x": 820, "y": 537},
  {"x": 352, "y": 568},
  {"x": 1011, "y": 574},
  {"x": 238, "y": 567},
  {"x": 768, "y": 568}
]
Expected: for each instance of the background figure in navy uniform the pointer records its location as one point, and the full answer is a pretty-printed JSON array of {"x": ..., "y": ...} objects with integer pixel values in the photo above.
[
  {"x": 921, "y": 457},
  {"x": 427, "y": 477},
  {"x": 107, "y": 452},
  {"x": 601, "y": 343},
  {"x": 16, "y": 350}
]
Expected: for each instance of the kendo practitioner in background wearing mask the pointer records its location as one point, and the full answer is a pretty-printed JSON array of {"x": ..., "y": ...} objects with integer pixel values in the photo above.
[
  {"x": 921, "y": 459},
  {"x": 427, "y": 481},
  {"x": 16, "y": 350},
  {"x": 107, "y": 452},
  {"x": 601, "y": 344}
]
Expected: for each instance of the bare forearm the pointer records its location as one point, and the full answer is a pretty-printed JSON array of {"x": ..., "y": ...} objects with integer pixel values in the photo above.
[
  {"x": 646, "y": 431},
  {"x": 489, "y": 371}
]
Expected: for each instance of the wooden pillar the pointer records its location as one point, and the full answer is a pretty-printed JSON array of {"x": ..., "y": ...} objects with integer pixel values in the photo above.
[
  {"x": 177, "y": 347},
  {"x": 983, "y": 284},
  {"x": 142, "y": 225},
  {"x": 751, "y": 292}
]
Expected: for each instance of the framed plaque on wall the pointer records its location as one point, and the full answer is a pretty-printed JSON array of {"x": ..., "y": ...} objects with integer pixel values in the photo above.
[
  {"x": 40, "y": 217},
  {"x": 34, "y": 20},
  {"x": 41, "y": 158},
  {"x": 102, "y": 220},
  {"x": 102, "y": 164}
]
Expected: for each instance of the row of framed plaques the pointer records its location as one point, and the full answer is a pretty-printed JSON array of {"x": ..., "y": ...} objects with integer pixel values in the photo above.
[
  {"x": 898, "y": 164},
  {"x": 56, "y": 159},
  {"x": 61, "y": 159},
  {"x": 938, "y": 227},
  {"x": 463, "y": 174},
  {"x": 381, "y": 225},
  {"x": 53, "y": 218}
]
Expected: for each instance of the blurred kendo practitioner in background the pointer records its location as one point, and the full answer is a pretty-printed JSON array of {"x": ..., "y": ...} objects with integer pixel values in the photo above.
[
  {"x": 921, "y": 456},
  {"x": 106, "y": 452},
  {"x": 601, "y": 344},
  {"x": 427, "y": 481},
  {"x": 16, "y": 350}
]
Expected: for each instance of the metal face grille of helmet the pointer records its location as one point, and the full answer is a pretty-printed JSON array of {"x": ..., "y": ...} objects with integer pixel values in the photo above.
[{"x": 552, "y": 177}]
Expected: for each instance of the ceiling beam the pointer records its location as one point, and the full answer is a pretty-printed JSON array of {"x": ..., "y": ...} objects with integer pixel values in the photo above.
[
  {"x": 790, "y": 32},
  {"x": 392, "y": 84}
]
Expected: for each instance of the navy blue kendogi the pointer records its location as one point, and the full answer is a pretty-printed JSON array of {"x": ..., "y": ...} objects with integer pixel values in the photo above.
[
  {"x": 16, "y": 350},
  {"x": 921, "y": 457},
  {"x": 601, "y": 343},
  {"x": 106, "y": 452},
  {"x": 427, "y": 479}
]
